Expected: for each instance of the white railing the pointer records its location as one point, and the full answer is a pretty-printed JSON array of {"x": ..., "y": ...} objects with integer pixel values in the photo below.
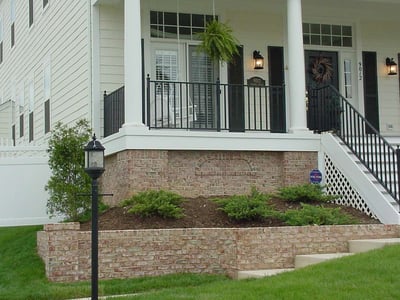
[{"x": 24, "y": 172}]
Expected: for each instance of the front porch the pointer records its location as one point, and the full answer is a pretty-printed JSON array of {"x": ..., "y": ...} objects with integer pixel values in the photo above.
[
  {"x": 182, "y": 88},
  {"x": 201, "y": 111}
]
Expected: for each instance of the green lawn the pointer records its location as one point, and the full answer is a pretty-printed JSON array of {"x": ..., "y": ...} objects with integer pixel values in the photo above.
[{"x": 373, "y": 275}]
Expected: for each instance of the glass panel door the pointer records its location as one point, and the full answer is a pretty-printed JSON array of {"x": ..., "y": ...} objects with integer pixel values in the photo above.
[
  {"x": 164, "y": 93},
  {"x": 202, "y": 76}
]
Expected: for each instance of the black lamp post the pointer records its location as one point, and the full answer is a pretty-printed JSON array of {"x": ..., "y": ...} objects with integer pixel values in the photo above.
[{"x": 94, "y": 167}]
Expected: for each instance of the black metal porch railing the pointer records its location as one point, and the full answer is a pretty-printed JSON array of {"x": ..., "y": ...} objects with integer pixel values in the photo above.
[
  {"x": 114, "y": 112},
  {"x": 213, "y": 106},
  {"x": 328, "y": 110}
]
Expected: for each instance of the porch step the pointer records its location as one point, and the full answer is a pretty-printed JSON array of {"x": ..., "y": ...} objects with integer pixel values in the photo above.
[
  {"x": 311, "y": 259},
  {"x": 382, "y": 164},
  {"x": 261, "y": 273},
  {"x": 300, "y": 261},
  {"x": 357, "y": 246}
]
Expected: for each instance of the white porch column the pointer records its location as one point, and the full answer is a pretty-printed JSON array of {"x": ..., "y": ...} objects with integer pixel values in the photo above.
[
  {"x": 296, "y": 73},
  {"x": 133, "y": 63}
]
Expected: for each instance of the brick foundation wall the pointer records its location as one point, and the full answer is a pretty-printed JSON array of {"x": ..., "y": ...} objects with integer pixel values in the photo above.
[
  {"x": 203, "y": 173},
  {"x": 132, "y": 253}
]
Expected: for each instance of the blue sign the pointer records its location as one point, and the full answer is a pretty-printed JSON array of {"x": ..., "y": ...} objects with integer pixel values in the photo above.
[{"x": 315, "y": 176}]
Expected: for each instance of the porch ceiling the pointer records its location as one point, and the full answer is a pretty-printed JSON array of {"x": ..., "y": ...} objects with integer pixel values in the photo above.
[
  {"x": 108, "y": 2},
  {"x": 257, "y": 2},
  {"x": 376, "y": 8}
]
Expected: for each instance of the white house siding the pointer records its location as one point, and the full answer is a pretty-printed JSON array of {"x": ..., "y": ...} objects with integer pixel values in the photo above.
[
  {"x": 111, "y": 25},
  {"x": 6, "y": 113},
  {"x": 111, "y": 47},
  {"x": 59, "y": 35},
  {"x": 381, "y": 37},
  {"x": 256, "y": 30}
]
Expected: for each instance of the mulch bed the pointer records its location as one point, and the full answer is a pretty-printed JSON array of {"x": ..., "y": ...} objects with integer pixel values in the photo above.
[{"x": 201, "y": 213}]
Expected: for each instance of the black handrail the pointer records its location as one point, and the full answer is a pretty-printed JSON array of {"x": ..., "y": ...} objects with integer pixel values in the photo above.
[
  {"x": 114, "y": 111},
  {"x": 359, "y": 135},
  {"x": 212, "y": 106}
]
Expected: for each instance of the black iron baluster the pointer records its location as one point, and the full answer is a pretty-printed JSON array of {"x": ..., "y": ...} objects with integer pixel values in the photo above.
[{"x": 218, "y": 92}]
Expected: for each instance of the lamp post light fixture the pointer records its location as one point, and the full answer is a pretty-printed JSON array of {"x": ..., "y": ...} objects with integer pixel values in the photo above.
[
  {"x": 94, "y": 167},
  {"x": 258, "y": 60},
  {"x": 391, "y": 66}
]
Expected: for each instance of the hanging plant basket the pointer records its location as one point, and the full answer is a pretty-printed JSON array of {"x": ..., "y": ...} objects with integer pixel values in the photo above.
[{"x": 218, "y": 42}]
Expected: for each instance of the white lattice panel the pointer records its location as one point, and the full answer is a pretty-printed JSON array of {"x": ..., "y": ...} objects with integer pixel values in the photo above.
[{"x": 337, "y": 184}]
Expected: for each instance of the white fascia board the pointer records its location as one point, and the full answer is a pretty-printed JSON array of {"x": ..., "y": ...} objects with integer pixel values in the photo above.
[{"x": 129, "y": 138}]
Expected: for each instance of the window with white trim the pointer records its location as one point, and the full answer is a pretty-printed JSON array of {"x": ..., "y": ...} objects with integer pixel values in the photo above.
[
  {"x": 12, "y": 19},
  {"x": 327, "y": 35},
  {"x": 1, "y": 39},
  {"x": 47, "y": 95},
  {"x": 171, "y": 25},
  {"x": 31, "y": 95},
  {"x": 166, "y": 65},
  {"x": 30, "y": 13},
  {"x": 31, "y": 108},
  {"x": 347, "y": 79},
  {"x": 21, "y": 98},
  {"x": 21, "y": 125},
  {"x": 181, "y": 61}
]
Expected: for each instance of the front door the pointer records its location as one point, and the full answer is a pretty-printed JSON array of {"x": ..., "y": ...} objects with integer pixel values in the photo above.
[
  {"x": 321, "y": 70},
  {"x": 202, "y": 70}
]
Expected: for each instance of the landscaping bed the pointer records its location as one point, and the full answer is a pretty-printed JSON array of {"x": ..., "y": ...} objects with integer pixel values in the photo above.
[{"x": 203, "y": 213}]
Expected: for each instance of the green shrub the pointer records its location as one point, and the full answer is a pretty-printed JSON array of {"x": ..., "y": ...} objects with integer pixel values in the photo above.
[
  {"x": 68, "y": 179},
  {"x": 155, "y": 203},
  {"x": 316, "y": 215},
  {"x": 305, "y": 193},
  {"x": 246, "y": 207}
]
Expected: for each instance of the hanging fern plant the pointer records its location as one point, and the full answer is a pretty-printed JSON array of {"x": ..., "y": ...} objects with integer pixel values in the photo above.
[{"x": 218, "y": 42}]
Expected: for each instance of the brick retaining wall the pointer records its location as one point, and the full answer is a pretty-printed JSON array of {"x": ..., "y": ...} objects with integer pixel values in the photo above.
[
  {"x": 132, "y": 253},
  {"x": 203, "y": 173}
]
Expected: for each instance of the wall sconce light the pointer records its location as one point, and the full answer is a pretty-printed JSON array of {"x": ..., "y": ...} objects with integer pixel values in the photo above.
[
  {"x": 391, "y": 66},
  {"x": 258, "y": 60}
]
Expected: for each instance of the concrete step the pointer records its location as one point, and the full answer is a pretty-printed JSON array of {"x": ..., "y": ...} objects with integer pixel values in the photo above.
[
  {"x": 310, "y": 259},
  {"x": 357, "y": 246},
  {"x": 260, "y": 273}
]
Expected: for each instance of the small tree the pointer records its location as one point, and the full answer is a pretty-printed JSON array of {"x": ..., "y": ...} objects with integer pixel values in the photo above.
[{"x": 68, "y": 179}]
